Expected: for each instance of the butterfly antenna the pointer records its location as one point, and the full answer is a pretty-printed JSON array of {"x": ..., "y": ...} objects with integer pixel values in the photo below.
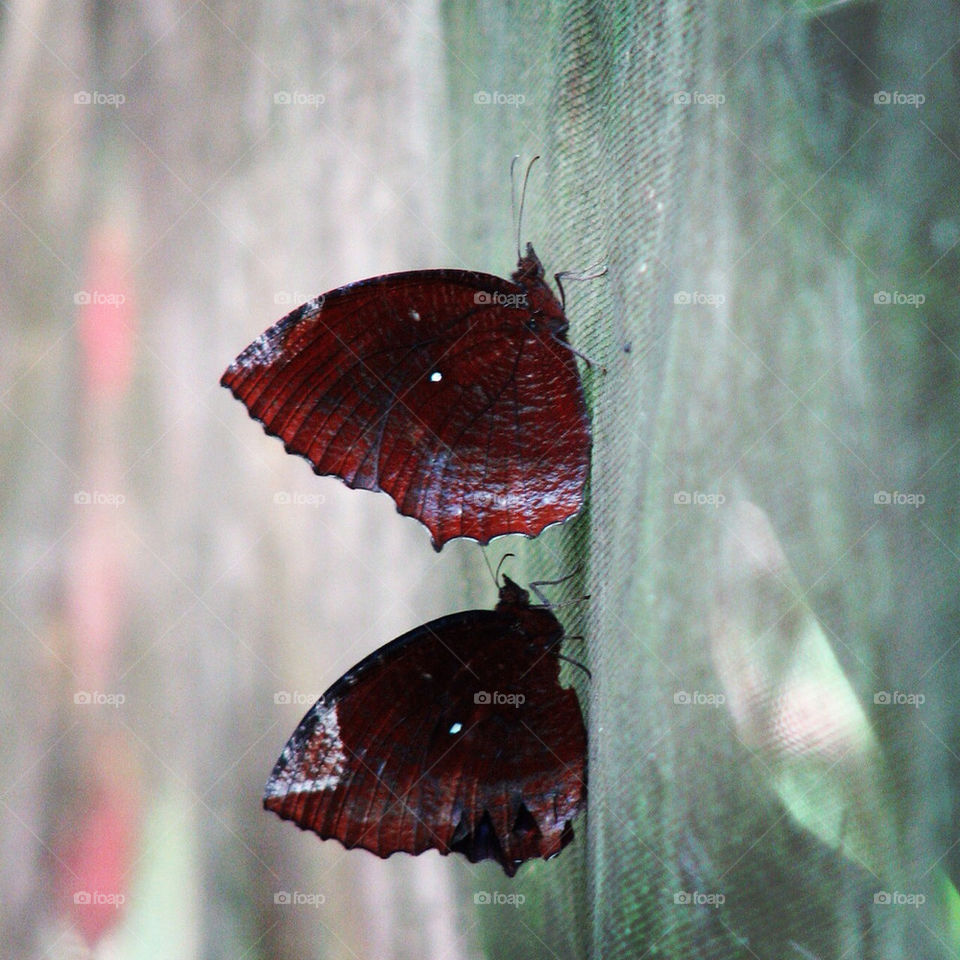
[
  {"x": 483, "y": 553},
  {"x": 523, "y": 200},
  {"x": 513, "y": 198},
  {"x": 496, "y": 576}
]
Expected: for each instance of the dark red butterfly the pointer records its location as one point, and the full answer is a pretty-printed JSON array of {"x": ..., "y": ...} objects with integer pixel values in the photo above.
[
  {"x": 455, "y": 737},
  {"x": 455, "y": 392}
]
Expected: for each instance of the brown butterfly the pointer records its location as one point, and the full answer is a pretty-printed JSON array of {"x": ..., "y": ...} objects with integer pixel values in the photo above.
[
  {"x": 455, "y": 737},
  {"x": 454, "y": 392}
]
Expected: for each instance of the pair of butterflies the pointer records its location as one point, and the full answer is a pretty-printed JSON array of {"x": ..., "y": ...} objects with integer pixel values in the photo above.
[{"x": 458, "y": 395}]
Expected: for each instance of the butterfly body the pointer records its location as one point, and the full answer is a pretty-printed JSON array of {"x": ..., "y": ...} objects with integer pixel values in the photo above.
[
  {"x": 457, "y": 736},
  {"x": 453, "y": 391}
]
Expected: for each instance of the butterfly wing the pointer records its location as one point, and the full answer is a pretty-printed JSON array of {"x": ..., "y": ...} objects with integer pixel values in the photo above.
[
  {"x": 431, "y": 386},
  {"x": 456, "y": 737}
]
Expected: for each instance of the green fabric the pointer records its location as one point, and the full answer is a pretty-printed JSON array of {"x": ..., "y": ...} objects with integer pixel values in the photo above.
[{"x": 753, "y": 202}]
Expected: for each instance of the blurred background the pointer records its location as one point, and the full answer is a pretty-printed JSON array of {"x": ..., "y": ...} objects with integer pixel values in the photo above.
[{"x": 771, "y": 543}]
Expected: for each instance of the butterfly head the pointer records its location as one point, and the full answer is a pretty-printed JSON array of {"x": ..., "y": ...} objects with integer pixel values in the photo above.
[
  {"x": 529, "y": 269},
  {"x": 545, "y": 316},
  {"x": 536, "y": 626},
  {"x": 512, "y": 595}
]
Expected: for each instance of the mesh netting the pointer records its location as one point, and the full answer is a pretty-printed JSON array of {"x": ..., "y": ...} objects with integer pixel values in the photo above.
[{"x": 747, "y": 792}]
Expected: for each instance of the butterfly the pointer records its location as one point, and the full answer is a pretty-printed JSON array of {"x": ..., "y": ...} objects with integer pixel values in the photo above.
[
  {"x": 456, "y": 737},
  {"x": 454, "y": 392}
]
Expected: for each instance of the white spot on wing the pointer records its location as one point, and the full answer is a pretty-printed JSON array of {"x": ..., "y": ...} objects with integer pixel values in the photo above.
[
  {"x": 323, "y": 772},
  {"x": 261, "y": 353},
  {"x": 436, "y": 376}
]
